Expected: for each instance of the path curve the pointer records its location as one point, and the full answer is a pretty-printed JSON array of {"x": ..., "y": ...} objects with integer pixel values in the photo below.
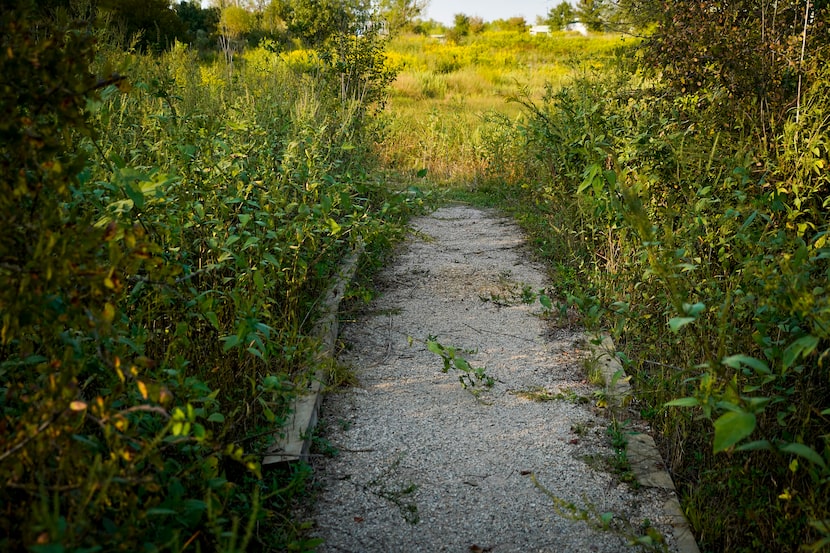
[{"x": 425, "y": 465}]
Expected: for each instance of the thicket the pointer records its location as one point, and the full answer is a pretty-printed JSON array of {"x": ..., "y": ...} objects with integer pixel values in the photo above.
[
  {"x": 169, "y": 227},
  {"x": 684, "y": 198}
]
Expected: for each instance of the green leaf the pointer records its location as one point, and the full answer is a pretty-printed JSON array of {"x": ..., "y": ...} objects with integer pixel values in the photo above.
[
  {"x": 731, "y": 428},
  {"x": 461, "y": 364},
  {"x": 693, "y": 310},
  {"x": 545, "y": 301},
  {"x": 216, "y": 417},
  {"x": 435, "y": 347},
  {"x": 212, "y": 319},
  {"x": 422, "y": 173},
  {"x": 256, "y": 352},
  {"x": 735, "y": 361},
  {"x": 676, "y": 323},
  {"x": 683, "y": 402},
  {"x": 135, "y": 195},
  {"x": 230, "y": 342},
  {"x": 334, "y": 226},
  {"x": 802, "y": 347},
  {"x": 804, "y": 451}
]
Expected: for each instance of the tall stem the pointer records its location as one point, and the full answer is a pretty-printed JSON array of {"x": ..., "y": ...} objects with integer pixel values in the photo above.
[{"x": 801, "y": 61}]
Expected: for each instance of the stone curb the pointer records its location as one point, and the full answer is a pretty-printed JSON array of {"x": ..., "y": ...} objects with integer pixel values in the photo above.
[
  {"x": 294, "y": 441},
  {"x": 642, "y": 452}
]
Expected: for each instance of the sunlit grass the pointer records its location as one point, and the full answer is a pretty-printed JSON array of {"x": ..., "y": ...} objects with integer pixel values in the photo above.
[{"x": 446, "y": 95}]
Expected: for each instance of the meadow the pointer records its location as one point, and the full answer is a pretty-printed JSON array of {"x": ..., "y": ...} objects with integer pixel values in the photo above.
[{"x": 448, "y": 106}]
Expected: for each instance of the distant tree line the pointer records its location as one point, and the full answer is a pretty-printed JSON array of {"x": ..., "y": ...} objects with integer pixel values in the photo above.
[{"x": 154, "y": 25}]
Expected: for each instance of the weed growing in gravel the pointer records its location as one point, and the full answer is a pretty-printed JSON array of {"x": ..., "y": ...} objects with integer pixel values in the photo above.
[
  {"x": 470, "y": 377},
  {"x": 619, "y": 462},
  {"x": 643, "y": 536},
  {"x": 541, "y": 394},
  {"x": 396, "y": 494}
]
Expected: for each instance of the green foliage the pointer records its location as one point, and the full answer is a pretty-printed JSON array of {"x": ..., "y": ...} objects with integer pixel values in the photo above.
[
  {"x": 592, "y": 14},
  {"x": 313, "y": 22},
  {"x": 168, "y": 236},
  {"x": 400, "y": 14},
  {"x": 152, "y": 24},
  {"x": 560, "y": 16},
  {"x": 705, "y": 250},
  {"x": 468, "y": 376},
  {"x": 758, "y": 53}
]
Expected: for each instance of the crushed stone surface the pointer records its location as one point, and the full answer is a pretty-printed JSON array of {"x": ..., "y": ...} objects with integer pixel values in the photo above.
[{"x": 424, "y": 464}]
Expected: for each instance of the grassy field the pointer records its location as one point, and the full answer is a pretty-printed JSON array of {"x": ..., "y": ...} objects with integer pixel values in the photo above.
[{"x": 448, "y": 105}]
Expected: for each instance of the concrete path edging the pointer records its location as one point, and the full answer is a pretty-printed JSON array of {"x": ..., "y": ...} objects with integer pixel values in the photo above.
[
  {"x": 643, "y": 455},
  {"x": 294, "y": 441}
]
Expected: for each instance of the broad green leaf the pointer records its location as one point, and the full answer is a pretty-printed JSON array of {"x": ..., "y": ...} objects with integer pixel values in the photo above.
[
  {"x": 693, "y": 310},
  {"x": 804, "y": 451},
  {"x": 683, "y": 402},
  {"x": 213, "y": 319},
  {"x": 435, "y": 347},
  {"x": 676, "y": 323},
  {"x": 135, "y": 195},
  {"x": 802, "y": 347},
  {"x": 731, "y": 428},
  {"x": 230, "y": 342},
  {"x": 735, "y": 361},
  {"x": 334, "y": 226},
  {"x": 422, "y": 173},
  {"x": 545, "y": 301},
  {"x": 216, "y": 417}
]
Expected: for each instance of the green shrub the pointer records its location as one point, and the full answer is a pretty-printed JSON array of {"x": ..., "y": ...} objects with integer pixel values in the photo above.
[
  {"x": 169, "y": 233},
  {"x": 707, "y": 254}
]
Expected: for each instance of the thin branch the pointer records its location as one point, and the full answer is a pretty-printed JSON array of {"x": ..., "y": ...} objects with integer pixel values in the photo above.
[{"x": 19, "y": 446}]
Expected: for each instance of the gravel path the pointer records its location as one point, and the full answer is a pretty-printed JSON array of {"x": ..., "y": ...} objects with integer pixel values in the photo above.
[{"x": 426, "y": 465}]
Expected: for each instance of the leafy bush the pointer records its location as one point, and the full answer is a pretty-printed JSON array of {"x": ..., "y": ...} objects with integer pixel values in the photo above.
[
  {"x": 706, "y": 251},
  {"x": 165, "y": 248}
]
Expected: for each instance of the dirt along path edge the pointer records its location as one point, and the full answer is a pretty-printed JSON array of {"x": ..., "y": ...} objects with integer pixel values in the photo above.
[{"x": 445, "y": 470}]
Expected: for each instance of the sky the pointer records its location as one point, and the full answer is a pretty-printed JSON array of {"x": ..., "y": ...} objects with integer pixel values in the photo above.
[{"x": 444, "y": 11}]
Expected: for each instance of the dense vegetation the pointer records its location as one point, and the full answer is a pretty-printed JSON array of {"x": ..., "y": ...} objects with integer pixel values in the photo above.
[
  {"x": 175, "y": 201},
  {"x": 169, "y": 226},
  {"x": 680, "y": 192}
]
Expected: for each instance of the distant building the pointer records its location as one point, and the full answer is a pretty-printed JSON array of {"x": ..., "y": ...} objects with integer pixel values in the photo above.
[
  {"x": 577, "y": 27},
  {"x": 540, "y": 30}
]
